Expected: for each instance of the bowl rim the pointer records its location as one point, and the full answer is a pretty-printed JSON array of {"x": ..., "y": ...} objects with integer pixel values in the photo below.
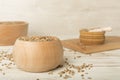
[
  {"x": 55, "y": 39},
  {"x": 86, "y": 32},
  {"x": 9, "y": 23}
]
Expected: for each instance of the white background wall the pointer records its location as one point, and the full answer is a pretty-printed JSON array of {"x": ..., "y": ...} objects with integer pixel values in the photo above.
[{"x": 60, "y": 17}]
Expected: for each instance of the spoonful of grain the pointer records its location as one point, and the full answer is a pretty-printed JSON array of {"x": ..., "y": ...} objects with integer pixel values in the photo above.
[{"x": 100, "y": 29}]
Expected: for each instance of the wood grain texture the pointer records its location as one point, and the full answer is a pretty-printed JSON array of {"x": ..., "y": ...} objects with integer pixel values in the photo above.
[
  {"x": 38, "y": 56},
  {"x": 111, "y": 43},
  {"x": 10, "y": 31}
]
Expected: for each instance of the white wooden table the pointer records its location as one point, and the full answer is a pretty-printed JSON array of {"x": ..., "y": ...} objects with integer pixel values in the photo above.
[{"x": 106, "y": 66}]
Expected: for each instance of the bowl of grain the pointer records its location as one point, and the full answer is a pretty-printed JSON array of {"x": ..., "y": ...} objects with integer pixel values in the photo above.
[
  {"x": 92, "y": 38},
  {"x": 38, "y": 53},
  {"x": 11, "y": 30}
]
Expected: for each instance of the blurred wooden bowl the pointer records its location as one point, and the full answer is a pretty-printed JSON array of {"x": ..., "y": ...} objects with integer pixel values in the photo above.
[
  {"x": 10, "y": 31},
  {"x": 91, "y": 38},
  {"x": 38, "y": 56}
]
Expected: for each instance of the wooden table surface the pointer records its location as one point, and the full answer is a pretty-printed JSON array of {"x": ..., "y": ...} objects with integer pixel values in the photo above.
[{"x": 106, "y": 66}]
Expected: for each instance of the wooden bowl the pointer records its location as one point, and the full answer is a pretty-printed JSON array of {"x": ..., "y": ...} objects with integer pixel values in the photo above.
[
  {"x": 91, "y": 38},
  {"x": 38, "y": 56},
  {"x": 10, "y": 31}
]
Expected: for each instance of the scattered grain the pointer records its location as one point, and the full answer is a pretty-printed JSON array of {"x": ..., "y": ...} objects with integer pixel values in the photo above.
[
  {"x": 74, "y": 57},
  {"x": 66, "y": 59},
  {"x": 70, "y": 70},
  {"x": 67, "y": 76},
  {"x": 82, "y": 70},
  {"x": 37, "y": 38},
  {"x": 78, "y": 56},
  {"x": 8, "y": 59},
  {"x": 37, "y": 79},
  {"x": 60, "y": 66},
  {"x": 51, "y": 72},
  {"x": 82, "y": 75},
  {"x": 89, "y": 78},
  {"x": 3, "y": 73}
]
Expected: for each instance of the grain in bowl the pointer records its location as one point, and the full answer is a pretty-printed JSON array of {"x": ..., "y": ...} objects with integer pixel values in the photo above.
[{"x": 38, "y": 53}]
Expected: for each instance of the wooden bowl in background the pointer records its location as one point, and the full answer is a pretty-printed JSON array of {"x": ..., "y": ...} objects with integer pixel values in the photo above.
[
  {"x": 91, "y": 38},
  {"x": 38, "y": 56},
  {"x": 11, "y": 30}
]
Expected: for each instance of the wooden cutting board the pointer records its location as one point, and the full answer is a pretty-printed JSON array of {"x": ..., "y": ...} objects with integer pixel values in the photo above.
[{"x": 111, "y": 43}]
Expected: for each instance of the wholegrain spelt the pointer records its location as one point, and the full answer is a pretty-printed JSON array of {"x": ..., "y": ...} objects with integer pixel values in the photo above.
[
  {"x": 4, "y": 56},
  {"x": 71, "y": 69},
  {"x": 37, "y": 38}
]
